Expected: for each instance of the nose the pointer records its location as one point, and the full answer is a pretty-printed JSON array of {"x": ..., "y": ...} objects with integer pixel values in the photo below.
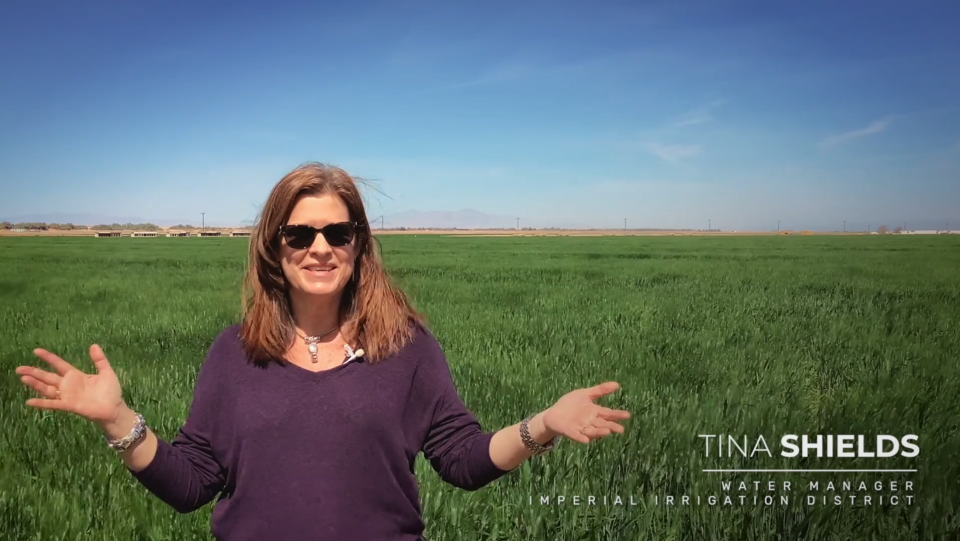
[{"x": 320, "y": 245}]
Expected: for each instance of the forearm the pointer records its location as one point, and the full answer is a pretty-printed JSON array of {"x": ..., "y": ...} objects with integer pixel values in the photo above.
[
  {"x": 507, "y": 449},
  {"x": 139, "y": 455},
  {"x": 181, "y": 473}
]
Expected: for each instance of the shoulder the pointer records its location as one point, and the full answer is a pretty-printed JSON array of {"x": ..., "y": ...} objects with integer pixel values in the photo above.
[
  {"x": 423, "y": 343},
  {"x": 229, "y": 337},
  {"x": 426, "y": 355},
  {"x": 226, "y": 346}
]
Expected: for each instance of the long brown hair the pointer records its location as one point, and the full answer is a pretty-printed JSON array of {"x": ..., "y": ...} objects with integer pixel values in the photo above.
[{"x": 374, "y": 313}]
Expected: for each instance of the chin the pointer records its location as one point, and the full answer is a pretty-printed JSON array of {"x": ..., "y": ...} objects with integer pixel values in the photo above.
[
  {"x": 320, "y": 290},
  {"x": 320, "y": 285}
]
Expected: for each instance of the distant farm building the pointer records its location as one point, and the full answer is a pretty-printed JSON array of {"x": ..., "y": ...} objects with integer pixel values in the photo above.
[
  {"x": 108, "y": 233},
  {"x": 178, "y": 234},
  {"x": 240, "y": 234},
  {"x": 209, "y": 233},
  {"x": 143, "y": 234}
]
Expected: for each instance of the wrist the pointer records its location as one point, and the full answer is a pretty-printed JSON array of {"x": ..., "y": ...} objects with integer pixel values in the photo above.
[
  {"x": 120, "y": 424},
  {"x": 539, "y": 429}
]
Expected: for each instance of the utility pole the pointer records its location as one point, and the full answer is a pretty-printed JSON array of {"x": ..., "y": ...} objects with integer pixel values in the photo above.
[
  {"x": 709, "y": 225},
  {"x": 203, "y": 220},
  {"x": 844, "y": 226},
  {"x": 518, "y": 223},
  {"x": 624, "y": 224},
  {"x": 778, "y": 226}
]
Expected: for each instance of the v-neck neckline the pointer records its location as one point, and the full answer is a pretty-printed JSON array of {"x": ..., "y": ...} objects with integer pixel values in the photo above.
[{"x": 298, "y": 371}]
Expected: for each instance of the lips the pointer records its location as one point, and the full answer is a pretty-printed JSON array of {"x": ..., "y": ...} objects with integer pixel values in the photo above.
[{"x": 320, "y": 270}]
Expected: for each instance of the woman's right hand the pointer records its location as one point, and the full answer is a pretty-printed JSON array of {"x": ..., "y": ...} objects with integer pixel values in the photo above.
[{"x": 96, "y": 397}]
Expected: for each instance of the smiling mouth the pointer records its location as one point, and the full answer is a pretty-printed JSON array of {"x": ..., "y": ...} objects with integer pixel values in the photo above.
[{"x": 320, "y": 269}]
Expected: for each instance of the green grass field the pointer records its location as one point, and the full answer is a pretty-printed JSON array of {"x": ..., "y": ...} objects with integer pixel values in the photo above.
[{"x": 755, "y": 336}]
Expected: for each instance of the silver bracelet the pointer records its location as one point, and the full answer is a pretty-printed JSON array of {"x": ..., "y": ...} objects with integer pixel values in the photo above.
[
  {"x": 135, "y": 435},
  {"x": 530, "y": 443}
]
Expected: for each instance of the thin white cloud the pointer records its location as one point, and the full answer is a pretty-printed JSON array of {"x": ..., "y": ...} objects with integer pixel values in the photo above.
[
  {"x": 874, "y": 128},
  {"x": 632, "y": 186},
  {"x": 674, "y": 153},
  {"x": 699, "y": 116},
  {"x": 498, "y": 74}
]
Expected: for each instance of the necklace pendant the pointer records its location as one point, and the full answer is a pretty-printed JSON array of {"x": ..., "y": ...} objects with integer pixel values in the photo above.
[{"x": 312, "y": 348}]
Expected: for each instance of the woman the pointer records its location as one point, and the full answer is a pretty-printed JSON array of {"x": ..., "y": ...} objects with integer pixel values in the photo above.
[{"x": 308, "y": 416}]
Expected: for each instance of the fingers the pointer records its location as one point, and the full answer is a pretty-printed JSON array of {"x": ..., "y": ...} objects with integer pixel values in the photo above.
[
  {"x": 57, "y": 363},
  {"x": 609, "y": 426},
  {"x": 610, "y": 414},
  {"x": 595, "y": 432},
  {"x": 47, "y": 404},
  {"x": 99, "y": 359},
  {"x": 603, "y": 389},
  {"x": 600, "y": 426},
  {"x": 44, "y": 389},
  {"x": 37, "y": 374}
]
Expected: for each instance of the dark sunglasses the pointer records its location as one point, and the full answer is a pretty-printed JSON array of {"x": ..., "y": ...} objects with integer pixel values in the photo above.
[{"x": 299, "y": 236}]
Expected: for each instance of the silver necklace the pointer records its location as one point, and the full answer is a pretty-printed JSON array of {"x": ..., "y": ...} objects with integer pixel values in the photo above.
[{"x": 311, "y": 342}]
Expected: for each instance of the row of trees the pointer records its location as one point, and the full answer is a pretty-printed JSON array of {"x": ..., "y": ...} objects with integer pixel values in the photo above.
[{"x": 40, "y": 226}]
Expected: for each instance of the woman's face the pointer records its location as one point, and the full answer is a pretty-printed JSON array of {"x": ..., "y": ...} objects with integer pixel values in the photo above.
[{"x": 319, "y": 269}]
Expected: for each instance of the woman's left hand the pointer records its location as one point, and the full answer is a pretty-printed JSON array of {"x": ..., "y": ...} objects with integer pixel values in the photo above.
[{"x": 577, "y": 417}]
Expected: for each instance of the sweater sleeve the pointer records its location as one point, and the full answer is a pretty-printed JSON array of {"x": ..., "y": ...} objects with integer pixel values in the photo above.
[
  {"x": 456, "y": 446},
  {"x": 186, "y": 473}
]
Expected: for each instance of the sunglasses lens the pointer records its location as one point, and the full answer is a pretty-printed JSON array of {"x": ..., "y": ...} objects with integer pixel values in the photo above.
[
  {"x": 300, "y": 236},
  {"x": 338, "y": 234}
]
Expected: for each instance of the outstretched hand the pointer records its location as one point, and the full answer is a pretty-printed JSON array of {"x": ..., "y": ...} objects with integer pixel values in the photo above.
[
  {"x": 96, "y": 397},
  {"x": 578, "y": 417}
]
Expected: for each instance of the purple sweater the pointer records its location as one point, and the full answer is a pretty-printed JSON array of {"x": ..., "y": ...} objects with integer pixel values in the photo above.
[{"x": 330, "y": 455}]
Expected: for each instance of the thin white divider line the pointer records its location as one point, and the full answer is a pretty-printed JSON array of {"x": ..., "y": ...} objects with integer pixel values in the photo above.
[{"x": 800, "y": 471}]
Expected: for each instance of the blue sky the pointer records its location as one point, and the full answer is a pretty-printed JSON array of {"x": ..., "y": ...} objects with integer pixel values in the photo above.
[{"x": 668, "y": 114}]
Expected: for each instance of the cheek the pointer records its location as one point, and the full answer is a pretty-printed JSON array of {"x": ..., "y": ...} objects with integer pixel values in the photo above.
[
  {"x": 346, "y": 263},
  {"x": 289, "y": 272},
  {"x": 289, "y": 263}
]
